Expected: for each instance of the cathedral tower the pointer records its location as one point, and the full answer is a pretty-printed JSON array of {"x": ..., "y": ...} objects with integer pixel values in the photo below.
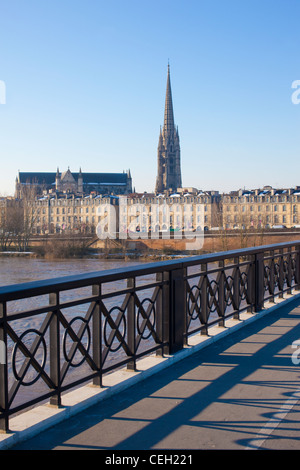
[{"x": 168, "y": 151}]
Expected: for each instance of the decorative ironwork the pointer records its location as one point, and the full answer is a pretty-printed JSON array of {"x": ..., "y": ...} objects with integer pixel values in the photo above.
[
  {"x": 117, "y": 328},
  {"x": 146, "y": 318},
  {"x": 228, "y": 290},
  {"x": 29, "y": 355},
  {"x": 85, "y": 327},
  {"x": 194, "y": 301},
  {"x": 66, "y": 343}
]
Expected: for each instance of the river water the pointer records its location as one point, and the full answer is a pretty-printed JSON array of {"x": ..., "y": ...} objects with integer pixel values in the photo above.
[{"x": 14, "y": 270}]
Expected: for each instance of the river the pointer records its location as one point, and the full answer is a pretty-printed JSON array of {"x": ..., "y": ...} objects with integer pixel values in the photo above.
[{"x": 14, "y": 270}]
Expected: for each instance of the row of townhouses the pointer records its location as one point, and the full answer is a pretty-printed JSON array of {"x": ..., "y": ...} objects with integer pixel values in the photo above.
[{"x": 187, "y": 209}]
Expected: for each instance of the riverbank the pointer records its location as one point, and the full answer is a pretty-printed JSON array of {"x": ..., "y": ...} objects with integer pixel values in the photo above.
[
  {"x": 18, "y": 253},
  {"x": 62, "y": 248},
  {"x": 98, "y": 255}
]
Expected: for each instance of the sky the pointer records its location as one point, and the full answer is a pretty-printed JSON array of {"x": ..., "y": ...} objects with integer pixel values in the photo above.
[{"x": 83, "y": 82}]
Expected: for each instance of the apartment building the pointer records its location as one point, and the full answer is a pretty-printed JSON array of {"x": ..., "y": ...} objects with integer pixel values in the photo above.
[{"x": 261, "y": 208}]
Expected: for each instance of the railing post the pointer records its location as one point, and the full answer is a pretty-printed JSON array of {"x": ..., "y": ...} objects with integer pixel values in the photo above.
[
  {"x": 3, "y": 371},
  {"x": 221, "y": 294},
  {"x": 271, "y": 275},
  {"x": 289, "y": 273},
  {"x": 131, "y": 365},
  {"x": 281, "y": 274},
  {"x": 177, "y": 310},
  {"x": 159, "y": 314},
  {"x": 259, "y": 282},
  {"x": 236, "y": 289},
  {"x": 55, "y": 350},
  {"x": 97, "y": 343},
  {"x": 163, "y": 312},
  {"x": 204, "y": 302},
  {"x": 251, "y": 284},
  {"x": 297, "y": 268},
  {"x": 185, "y": 320}
]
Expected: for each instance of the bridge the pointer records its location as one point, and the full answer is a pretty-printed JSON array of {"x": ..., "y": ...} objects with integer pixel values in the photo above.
[{"x": 194, "y": 353}]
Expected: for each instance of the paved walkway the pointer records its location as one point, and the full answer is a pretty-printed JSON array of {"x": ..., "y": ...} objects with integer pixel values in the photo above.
[{"x": 240, "y": 392}]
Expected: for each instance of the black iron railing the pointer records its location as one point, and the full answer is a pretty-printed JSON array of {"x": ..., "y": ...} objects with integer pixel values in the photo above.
[{"x": 60, "y": 333}]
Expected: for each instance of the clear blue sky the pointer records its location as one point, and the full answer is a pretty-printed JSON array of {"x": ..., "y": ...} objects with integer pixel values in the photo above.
[{"x": 85, "y": 86}]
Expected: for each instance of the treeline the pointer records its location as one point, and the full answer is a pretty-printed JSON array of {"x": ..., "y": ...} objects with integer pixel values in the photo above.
[
  {"x": 59, "y": 247},
  {"x": 16, "y": 225}
]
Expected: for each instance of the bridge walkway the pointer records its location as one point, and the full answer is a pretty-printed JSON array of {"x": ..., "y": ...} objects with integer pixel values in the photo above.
[{"x": 241, "y": 392}]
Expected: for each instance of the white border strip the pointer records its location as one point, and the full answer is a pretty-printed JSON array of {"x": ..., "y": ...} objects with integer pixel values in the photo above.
[{"x": 272, "y": 424}]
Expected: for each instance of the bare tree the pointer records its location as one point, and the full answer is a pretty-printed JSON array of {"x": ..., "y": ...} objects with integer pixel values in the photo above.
[
  {"x": 6, "y": 224},
  {"x": 16, "y": 221},
  {"x": 219, "y": 222}
]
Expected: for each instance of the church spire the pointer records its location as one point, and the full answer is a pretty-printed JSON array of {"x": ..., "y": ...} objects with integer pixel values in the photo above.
[
  {"x": 168, "y": 151},
  {"x": 169, "y": 115}
]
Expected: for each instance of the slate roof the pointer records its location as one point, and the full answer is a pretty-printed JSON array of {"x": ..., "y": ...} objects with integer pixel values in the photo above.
[
  {"x": 113, "y": 178},
  {"x": 88, "y": 178},
  {"x": 36, "y": 177}
]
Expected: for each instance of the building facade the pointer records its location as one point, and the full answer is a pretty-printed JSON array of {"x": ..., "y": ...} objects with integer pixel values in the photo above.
[
  {"x": 168, "y": 151},
  {"x": 185, "y": 211},
  {"x": 178, "y": 212},
  {"x": 261, "y": 208}
]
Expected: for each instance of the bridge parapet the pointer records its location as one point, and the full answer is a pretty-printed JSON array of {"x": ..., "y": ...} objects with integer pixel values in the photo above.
[{"x": 60, "y": 333}]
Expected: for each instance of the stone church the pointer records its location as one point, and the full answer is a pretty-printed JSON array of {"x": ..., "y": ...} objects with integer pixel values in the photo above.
[{"x": 79, "y": 183}]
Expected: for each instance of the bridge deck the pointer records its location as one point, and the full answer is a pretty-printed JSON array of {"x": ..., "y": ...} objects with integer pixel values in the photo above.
[{"x": 240, "y": 392}]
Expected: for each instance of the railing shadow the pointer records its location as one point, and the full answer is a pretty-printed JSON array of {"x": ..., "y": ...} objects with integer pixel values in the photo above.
[{"x": 183, "y": 405}]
